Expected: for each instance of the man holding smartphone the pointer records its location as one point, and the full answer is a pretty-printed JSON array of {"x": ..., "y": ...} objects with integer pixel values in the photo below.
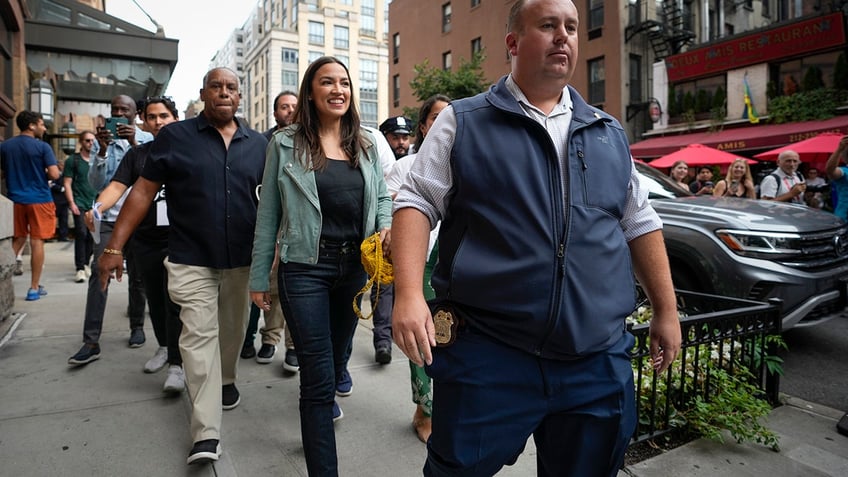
[{"x": 109, "y": 150}]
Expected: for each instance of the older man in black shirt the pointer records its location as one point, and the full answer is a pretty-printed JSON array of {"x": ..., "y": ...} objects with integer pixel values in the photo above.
[{"x": 211, "y": 166}]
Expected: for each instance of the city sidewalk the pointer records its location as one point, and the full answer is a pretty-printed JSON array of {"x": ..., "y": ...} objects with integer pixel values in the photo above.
[{"x": 109, "y": 418}]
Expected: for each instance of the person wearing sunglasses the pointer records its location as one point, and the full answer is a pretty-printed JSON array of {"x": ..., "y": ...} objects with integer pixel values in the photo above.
[{"x": 80, "y": 196}]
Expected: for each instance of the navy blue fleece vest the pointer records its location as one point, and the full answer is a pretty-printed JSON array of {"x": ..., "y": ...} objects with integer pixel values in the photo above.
[{"x": 551, "y": 278}]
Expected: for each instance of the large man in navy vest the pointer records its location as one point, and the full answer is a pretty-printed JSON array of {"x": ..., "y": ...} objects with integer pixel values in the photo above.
[{"x": 544, "y": 224}]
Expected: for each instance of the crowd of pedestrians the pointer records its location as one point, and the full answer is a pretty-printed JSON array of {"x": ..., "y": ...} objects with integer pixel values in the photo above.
[
  {"x": 215, "y": 223},
  {"x": 784, "y": 184}
]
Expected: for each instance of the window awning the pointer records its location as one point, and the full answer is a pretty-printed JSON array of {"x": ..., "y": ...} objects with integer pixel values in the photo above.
[{"x": 748, "y": 138}]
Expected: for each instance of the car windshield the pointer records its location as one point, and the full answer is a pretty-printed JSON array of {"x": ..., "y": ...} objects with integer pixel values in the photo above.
[{"x": 659, "y": 185}]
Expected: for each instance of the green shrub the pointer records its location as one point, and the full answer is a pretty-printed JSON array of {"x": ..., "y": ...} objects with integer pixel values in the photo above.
[
  {"x": 732, "y": 406},
  {"x": 807, "y": 105},
  {"x": 688, "y": 102},
  {"x": 771, "y": 90},
  {"x": 734, "y": 403},
  {"x": 702, "y": 101},
  {"x": 673, "y": 107},
  {"x": 719, "y": 98},
  {"x": 840, "y": 72},
  {"x": 812, "y": 79}
]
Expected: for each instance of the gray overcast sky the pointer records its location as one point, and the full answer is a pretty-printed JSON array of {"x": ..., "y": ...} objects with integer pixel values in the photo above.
[{"x": 201, "y": 26}]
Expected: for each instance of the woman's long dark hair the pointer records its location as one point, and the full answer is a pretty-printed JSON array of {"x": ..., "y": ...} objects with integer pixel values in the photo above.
[
  {"x": 426, "y": 107},
  {"x": 306, "y": 138}
]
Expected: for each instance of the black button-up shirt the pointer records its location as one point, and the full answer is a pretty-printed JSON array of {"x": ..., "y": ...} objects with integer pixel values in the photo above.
[{"x": 212, "y": 191}]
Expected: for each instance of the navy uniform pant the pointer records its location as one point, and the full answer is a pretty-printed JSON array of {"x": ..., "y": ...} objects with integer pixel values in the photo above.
[{"x": 489, "y": 398}]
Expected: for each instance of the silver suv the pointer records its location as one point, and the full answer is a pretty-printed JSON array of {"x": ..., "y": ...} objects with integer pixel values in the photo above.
[{"x": 754, "y": 249}]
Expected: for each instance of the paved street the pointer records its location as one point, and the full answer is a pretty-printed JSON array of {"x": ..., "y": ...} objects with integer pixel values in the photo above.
[
  {"x": 816, "y": 363},
  {"x": 111, "y": 419}
]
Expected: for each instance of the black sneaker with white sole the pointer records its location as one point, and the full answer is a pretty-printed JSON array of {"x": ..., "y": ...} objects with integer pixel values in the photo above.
[
  {"x": 85, "y": 355},
  {"x": 230, "y": 397},
  {"x": 266, "y": 353},
  {"x": 204, "y": 452},
  {"x": 290, "y": 363}
]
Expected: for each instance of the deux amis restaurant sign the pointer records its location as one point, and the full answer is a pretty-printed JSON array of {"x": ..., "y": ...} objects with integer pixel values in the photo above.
[{"x": 819, "y": 33}]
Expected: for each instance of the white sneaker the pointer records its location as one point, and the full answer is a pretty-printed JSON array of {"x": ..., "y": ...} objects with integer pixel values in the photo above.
[
  {"x": 80, "y": 276},
  {"x": 175, "y": 382},
  {"x": 87, "y": 272},
  {"x": 158, "y": 361}
]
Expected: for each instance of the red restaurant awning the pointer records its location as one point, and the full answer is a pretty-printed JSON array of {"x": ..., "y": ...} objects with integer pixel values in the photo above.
[{"x": 748, "y": 138}]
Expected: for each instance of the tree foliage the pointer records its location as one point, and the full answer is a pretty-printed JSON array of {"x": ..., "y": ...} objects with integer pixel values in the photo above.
[{"x": 461, "y": 82}]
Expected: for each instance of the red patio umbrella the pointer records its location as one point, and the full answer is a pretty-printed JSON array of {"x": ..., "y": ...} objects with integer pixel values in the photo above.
[
  {"x": 697, "y": 155},
  {"x": 815, "y": 149}
]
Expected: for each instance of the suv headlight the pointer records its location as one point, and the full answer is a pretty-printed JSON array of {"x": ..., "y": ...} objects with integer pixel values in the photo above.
[{"x": 767, "y": 245}]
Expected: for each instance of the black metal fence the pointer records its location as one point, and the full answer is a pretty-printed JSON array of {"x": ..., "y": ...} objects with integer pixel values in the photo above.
[{"x": 718, "y": 333}]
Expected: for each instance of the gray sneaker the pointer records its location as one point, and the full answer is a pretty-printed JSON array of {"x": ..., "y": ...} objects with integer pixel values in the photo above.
[
  {"x": 19, "y": 268},
  {"x": 175, "y": 382},
  {"x": 158, "y": 361}
]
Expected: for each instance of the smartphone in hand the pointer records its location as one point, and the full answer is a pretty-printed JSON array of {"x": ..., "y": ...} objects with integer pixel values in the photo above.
[{"x": 112, "y": 125}]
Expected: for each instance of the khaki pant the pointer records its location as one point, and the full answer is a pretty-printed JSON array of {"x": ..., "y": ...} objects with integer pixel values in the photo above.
[
  {"x": 214, "y": 314},
  {"x": 275, "y": 322}
]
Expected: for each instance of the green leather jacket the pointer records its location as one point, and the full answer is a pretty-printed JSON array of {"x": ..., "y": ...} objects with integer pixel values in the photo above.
[{"x": 289, "y": 207}]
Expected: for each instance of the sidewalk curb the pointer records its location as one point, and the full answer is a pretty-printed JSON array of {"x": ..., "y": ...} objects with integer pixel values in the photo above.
[
  {"x": 811, "y": 407},
  {"x": 15, "y": 319}
]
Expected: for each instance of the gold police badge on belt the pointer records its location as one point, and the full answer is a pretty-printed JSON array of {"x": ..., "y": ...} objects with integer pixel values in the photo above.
[{"x": 444, "y": 323}]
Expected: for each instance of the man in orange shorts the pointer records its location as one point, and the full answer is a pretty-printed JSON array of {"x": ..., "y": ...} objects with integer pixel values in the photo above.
[{"x": 28, "y": 163}]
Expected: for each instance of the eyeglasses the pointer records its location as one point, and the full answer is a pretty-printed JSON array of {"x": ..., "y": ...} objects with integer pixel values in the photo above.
[{"x": 88, "y": 140}]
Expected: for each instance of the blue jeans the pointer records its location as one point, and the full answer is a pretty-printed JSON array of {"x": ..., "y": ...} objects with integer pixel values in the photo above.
[{"x": 317, "y": 302}]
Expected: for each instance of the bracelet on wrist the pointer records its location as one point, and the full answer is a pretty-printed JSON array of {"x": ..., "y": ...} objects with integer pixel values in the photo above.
[{"x": 112, "y": 251}]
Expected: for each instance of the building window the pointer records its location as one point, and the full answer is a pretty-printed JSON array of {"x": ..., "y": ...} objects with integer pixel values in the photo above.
[
  {"x": 634, "y": 12},
  {"x": 367, "y": 23},
  {"x": 596, "y": 14},
  {"x": 314, "y": 55},
  {"x": 476, "y": 46},
  {"x": 596, "y": 81},
  {"x": 341, "y": 37},
  {"x": 290, "y": 56},
  {"x": 635, "y": 79},
  {"x": 368, "y": 82},
  {"x": 289, "y": 79},
  {"x": 344, "y": 59},
  {"x": 766, "y": 8},
  {"x": 368, "y": 75},
  {"x": 316, "y": 33},
  {"x": 447, "y": 60},
  {"x": 396, "y": 90},
  {"x": 239, "y": 52},
  {"x": 474, "y": 3},
  {"x": 395, "y": 47},
  {"x": 446, "y": 18}
]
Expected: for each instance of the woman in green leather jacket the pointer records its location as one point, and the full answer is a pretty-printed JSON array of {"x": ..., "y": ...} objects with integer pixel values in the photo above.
[{"x": 323, "y": 192}]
